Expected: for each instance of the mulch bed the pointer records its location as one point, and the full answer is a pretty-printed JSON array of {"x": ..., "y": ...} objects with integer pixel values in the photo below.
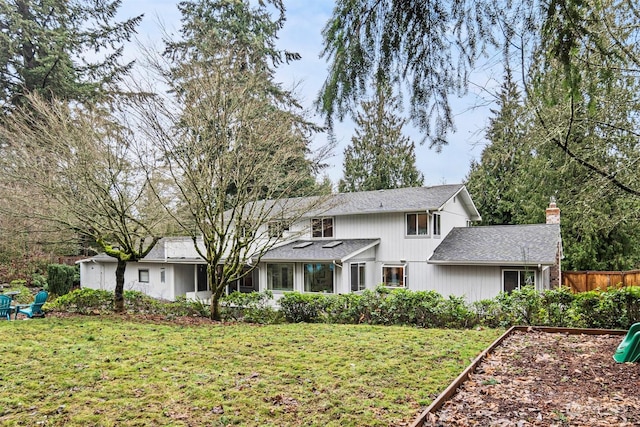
[{"x": 547, "y": 379}]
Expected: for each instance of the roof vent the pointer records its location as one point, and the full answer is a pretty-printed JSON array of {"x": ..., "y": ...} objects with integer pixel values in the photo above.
[
  {"x": 332, "y": 244},
  {"x": 302, "y": 245}
]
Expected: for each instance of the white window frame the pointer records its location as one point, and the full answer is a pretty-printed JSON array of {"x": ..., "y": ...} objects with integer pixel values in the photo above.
[
  {"x": 324, "y": 221},
  {"x": 522, "y": 273},
  {"x": 436, "y": 223},
  {"x": 241, "y": 285},
  {"x": 361, "y": 271},
  {"x": 416, "y": 227},
  {"x": 331, "y": 272},
  {"x": 403, "y": 275},
  {"x": 141, "y": 273},
  {"x": 291, "y": 276}
]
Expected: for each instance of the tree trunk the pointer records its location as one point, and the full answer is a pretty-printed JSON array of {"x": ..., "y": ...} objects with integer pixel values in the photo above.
[
  {"x": 215, "y": 303},
  {"x": 118, "y": 298},
  {"x": 216, "y": 292}
]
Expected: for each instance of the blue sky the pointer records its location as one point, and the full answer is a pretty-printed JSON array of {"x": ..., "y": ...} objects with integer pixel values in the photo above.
[{"x": 302, "y": 34}]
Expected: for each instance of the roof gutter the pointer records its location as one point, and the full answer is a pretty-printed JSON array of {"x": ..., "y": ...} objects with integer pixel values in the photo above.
[{"x": 494, "y": 263}]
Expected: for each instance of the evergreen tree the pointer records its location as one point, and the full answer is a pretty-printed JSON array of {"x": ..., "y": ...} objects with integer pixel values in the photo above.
[
  {"x": 380, "y": 156},
  {"x": 231, "y": 136},
  {"x": 522, "y": 167},
  {"x": 591, "y": 46},
  {"x": 494, "y": 181},
  {"x": 214, "y": 31},
  {"x": 67, "y": 49}
]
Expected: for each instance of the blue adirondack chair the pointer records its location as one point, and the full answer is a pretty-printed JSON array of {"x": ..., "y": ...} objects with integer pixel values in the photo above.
[
  {"x": 35, "y": 308},
  {"x": 5, "y": 307}
]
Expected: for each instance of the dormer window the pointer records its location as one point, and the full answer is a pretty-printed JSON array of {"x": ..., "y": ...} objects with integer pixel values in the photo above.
[
  {"x": 417, "y": 224},
  {"x": 322, "y": 227},
  {"x": 277, "y": 229}
]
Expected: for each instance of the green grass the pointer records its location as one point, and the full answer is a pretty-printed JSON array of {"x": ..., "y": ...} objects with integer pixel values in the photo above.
[{"x": 107, "y": 371}]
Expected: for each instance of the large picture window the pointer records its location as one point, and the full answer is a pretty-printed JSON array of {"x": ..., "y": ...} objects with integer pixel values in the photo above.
[
  {"x": 247, "y": 283},
  {"x": 394, "y": 276},
  {"x": 280, "y": 277},
  {"x": 358, "y": 277},
  {"x": 322, "y": 227},
  {"x": 516, "y": 279},
  {"x": 318, "y": 278},
  {"x": 417, "y": 224}
]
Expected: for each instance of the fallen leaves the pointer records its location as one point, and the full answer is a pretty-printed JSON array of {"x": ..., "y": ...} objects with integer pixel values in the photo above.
[{"x": 541, "y": 379}]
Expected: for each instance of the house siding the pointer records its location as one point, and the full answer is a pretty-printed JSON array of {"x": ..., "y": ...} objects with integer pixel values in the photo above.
[
  {"x": 357, "y": 218},
  {"x": 472, "y": 282},
  {"x": 102, "y": 276}
]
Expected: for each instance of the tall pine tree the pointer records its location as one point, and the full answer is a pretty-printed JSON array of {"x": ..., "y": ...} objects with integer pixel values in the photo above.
[
  {"x": 494, "y": 181},
  {"x": 63, "y": 49},
  {"x": 380, "y": 156}
]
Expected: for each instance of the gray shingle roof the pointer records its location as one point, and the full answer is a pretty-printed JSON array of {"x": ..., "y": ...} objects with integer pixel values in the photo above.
[
  {"x": 394, "y": 200},
  {"x": 382, "y": 201},
  {"x": 319, "y": 250},
  {"x": 500, "y": 245}
]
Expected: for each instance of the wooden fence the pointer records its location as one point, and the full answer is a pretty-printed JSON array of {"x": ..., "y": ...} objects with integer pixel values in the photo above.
[{"x": 583, "y": 281}]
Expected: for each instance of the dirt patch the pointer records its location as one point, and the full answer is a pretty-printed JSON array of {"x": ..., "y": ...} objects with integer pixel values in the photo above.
[{"x": 547, "y": 379}]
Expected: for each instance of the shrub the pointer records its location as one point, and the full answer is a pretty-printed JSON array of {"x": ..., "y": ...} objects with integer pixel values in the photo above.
[
  {"x": 250, "y": 307},
  {"x": 39, "y": 281},
  {"x": 455, "y": 313},
  {"x": 297, "y": 307},
  {"x": 61, "y": 278},
  {"x": 557, "y": 307},
  {"x": 490, "y": 313},
  {"x": 343, "y": 308},
  {"x": 370, "y": 308},
  {"x": 85, "y": 301}
]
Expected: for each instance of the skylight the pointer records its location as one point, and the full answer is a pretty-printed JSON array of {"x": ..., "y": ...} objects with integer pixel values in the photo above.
[
  {"x": 302, "y": 245},
  {"x": 332, "y": 244}
]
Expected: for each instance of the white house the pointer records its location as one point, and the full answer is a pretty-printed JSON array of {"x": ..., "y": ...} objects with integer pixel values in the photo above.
[{"x": 414, "y": 238}]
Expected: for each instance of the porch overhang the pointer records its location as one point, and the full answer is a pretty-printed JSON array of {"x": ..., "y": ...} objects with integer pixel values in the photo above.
[{"x": 334, "y": 250}]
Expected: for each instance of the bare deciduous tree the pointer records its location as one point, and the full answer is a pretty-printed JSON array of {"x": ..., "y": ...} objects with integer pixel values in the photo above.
[
  {"x": 229, "y": 150},
  {"x": 70, "y": 168}
]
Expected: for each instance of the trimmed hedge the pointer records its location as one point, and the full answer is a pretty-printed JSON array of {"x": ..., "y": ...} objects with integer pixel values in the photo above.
[{"x": 610, "y": 309}]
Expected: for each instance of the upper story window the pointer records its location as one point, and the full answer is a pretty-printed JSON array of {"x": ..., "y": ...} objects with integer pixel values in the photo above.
[
  {"x": 277, "y": 228},
  {"x": 436, "y": 224},
  {"x": 322, "y": 227},
  {"x": 417, "y": 224}
]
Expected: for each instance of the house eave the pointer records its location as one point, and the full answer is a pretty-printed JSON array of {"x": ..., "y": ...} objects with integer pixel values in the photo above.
[
  {"x": 173, "y": 261},
  {"x": 493, "y": 263}
]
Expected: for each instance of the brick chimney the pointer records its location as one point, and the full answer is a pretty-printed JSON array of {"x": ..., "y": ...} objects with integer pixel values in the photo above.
[
  {"x": 553, "y": 217},
  {"x": 553, "y": 213}
]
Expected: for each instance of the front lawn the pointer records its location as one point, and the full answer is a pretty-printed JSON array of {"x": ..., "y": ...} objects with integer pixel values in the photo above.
[{"x": 109, "y": 371}]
